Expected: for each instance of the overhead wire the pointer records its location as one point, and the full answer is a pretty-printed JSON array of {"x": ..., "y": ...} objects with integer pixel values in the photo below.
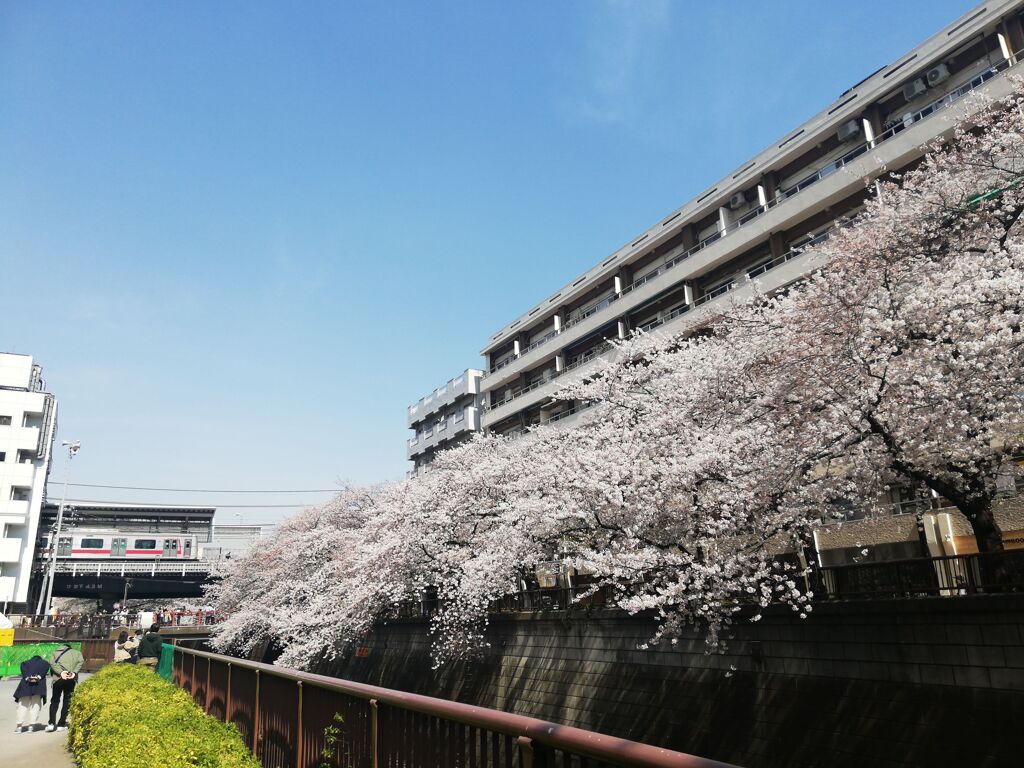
[
  {"x": 203, "y": 490},
  {"x": 160, "y": 506}
]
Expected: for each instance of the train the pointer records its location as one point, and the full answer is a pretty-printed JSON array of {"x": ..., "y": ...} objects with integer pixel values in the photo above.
[{"x": 80, "y": 544}]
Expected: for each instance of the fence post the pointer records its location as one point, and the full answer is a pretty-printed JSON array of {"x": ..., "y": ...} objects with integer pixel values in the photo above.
[
  {"x": 374, "y": 732},
  {"x": 256, "y": 719},
  {"x": 206, "y": 695},
  {"x": 299, "y": 752}
]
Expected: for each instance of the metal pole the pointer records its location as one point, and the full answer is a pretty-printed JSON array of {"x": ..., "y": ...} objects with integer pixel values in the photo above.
[{"x": 72, "y": 447}]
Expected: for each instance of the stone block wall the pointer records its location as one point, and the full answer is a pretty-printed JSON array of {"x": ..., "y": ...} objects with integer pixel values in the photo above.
[{"x": 930, "y": 682}]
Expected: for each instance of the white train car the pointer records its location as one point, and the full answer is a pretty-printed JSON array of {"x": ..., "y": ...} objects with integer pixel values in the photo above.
[{"x": 81, "y": 544}]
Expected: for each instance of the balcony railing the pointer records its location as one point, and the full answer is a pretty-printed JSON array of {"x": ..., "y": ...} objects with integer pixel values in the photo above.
[
  {"x": 783, "y": 195},
  {"x": 651, "y": 325}
]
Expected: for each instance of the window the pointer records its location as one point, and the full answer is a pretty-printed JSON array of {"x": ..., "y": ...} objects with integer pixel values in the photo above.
[
  {"x": 92, "y": 543},
  {"x": 20, "y": 492},
  {"x": 5, "y": 421},
  {"x": 26, "y": 457},
  {"x": 3, "y": 456},
  {"x": 145, "y": 544}
]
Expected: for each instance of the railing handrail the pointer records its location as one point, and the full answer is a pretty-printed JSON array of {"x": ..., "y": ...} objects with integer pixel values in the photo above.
[
  {"x": 564, "y": 737},
  {"x": 782, "y": 195}
]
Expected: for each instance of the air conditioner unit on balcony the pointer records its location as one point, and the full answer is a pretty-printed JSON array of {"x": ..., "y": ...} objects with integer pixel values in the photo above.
[
  {"x": 738, "y": 200},
  {"x": 914, "y": 88},
  {"x": 848, "y": 130},
  {"x": 937, "y": 74}
]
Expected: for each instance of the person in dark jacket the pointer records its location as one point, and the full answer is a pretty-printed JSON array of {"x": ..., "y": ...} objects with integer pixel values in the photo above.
[
  {"x": 30, "y": 694},
  {"x": 149, "y": 648}
]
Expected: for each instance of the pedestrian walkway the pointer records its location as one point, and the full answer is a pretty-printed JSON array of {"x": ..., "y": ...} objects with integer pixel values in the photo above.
[{"x": 37, "y": 749}]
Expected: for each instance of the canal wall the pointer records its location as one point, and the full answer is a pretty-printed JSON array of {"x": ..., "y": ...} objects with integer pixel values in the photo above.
[{"x": 929, "y": 682}]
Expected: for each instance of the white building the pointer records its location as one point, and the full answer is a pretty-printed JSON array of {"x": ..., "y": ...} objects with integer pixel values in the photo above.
[
  {"x": 444, "y": 418},
  {"x": 28, "y": 418},
  {"x": 750, "y": 230},
  {"x": 230, "y": 540}
]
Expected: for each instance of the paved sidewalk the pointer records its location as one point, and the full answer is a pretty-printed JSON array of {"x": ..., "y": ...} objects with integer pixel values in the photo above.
[{"x": 29, "y": 750}]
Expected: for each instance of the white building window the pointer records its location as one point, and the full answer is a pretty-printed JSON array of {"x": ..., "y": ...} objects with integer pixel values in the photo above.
[{"x": 5, "y": 421}]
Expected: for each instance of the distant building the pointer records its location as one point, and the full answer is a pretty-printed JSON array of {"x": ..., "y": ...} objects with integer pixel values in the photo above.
[
  {"x": 28, "y": 418},
  {"x": 445, "y": 417},
  {"x": 234, "y": 540}
]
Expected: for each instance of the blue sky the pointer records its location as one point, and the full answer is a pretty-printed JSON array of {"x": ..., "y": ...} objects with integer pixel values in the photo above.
[{"x": 242, "y": 237}]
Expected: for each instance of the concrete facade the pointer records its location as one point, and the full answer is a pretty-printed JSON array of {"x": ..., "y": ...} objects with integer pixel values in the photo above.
[
  {"x": 444, "y": 418},
  {"x": 28, "y": 422},
  {"x": 753, "y": 226}
]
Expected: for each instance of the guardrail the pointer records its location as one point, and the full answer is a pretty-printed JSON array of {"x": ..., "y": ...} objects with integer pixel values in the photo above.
[
  {"x": 122, "y": 568},
  {"x": 283, "y": 714}
]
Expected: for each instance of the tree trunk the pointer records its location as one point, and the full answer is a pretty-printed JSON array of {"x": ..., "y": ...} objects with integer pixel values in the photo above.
[
  {"x": 986, "y": 530},
  {"x": 993, "y": 567}
]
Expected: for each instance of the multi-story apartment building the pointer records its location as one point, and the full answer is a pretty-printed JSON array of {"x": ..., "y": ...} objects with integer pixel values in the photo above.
[
  {"x": 28, "y": 418},
  {"x": 752, "y": 227},
  {"x": 445, "y": 417}
]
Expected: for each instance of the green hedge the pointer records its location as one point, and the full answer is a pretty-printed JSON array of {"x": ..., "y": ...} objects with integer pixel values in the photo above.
[{"x": 125, "y": 716}]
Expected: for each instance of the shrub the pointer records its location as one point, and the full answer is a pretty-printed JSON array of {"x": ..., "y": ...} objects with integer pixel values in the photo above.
[{"x": 126, "y": 716}]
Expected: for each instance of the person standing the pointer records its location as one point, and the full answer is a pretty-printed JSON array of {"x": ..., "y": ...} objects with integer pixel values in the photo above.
[
  {"x": 150, "y": 646},
  {"x": 30, "y": 695},
  {"x": 65, "y": 664}
]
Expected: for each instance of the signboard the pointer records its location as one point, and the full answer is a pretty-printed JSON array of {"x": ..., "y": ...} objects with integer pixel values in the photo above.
[
  {"x": 967, "y": 545},
  {"x": 6, "y": 637},
  {"x": 362, "y": 652}
]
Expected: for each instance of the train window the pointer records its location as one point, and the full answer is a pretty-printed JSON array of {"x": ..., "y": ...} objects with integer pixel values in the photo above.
[
  {"x": 145, "y": 543},
  {"x": 92, "y": 543}
]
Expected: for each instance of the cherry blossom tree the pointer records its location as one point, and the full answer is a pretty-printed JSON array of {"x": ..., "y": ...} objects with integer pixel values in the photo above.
[{"x": 694, "y": 483}]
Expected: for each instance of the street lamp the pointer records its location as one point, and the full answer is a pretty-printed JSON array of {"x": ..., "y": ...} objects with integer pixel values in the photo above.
[{"x": 73, "y": 447}]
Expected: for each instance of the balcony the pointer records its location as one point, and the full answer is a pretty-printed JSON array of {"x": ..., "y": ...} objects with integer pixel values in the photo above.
[
  {"x": 892, "y": 148},
  {"x": 10, "y": 550},
  {"x": 14, "y": 512},
  {"x": 466, "y": 420},
  {"x": 466, "y": 383}
]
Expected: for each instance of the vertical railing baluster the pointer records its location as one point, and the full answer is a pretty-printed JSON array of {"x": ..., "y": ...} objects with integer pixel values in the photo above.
[
  {"x": 227, "y": 697},
  {"x": 374, "y": 733},
  {"x": 300, "y": 747},
  {"x": 256, "y": 719},
  {"x": 525, "y": 752}
]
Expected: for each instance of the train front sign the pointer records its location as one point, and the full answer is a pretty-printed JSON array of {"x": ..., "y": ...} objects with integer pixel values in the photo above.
[{"x": 126, "y": 545}]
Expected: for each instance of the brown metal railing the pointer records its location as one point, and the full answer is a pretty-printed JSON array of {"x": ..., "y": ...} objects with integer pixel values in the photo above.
[{"x": 283, "y": 716}]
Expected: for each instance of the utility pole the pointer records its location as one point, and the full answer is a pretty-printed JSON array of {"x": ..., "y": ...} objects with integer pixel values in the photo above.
[{"x": 73, "y": 447}]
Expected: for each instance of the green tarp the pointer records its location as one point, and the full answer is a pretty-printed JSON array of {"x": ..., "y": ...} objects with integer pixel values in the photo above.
[
  {"x": 166, "y": 666},
  {"x": 11, "y": 656}
]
